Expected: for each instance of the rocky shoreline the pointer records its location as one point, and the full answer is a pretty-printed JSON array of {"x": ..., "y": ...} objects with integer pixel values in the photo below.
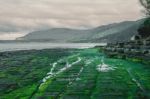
[{"x": 138, "y": 49}]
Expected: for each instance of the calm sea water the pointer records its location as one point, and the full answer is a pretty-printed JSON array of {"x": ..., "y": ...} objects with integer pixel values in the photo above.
[{"x": 35, "y": 45}]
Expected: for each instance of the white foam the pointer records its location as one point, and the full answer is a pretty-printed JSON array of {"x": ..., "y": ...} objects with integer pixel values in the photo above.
[
  {"x": 51, "y": 74},
  {"x": 104, "y": 67},
  {"x": 53, "y": 67}
]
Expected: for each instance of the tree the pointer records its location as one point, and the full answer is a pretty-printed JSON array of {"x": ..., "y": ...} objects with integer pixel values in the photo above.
[
  {"x": 146, "y": 5},
  {"x": 144, "y": 30}
]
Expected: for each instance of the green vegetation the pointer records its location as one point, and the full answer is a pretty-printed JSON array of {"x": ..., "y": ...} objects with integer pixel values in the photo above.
[{"x": 71, "y": 74}]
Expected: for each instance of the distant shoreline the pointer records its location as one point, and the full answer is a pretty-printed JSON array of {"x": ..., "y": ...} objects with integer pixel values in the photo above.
[{"x": 45, "y": 45}]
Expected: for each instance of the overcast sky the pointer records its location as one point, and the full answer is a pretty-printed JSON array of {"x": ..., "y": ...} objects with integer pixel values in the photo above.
[{"x": 22, "y": 16}]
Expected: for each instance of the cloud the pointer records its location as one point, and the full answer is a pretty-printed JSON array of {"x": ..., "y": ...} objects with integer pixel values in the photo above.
[{"x": 29, "y": 15}]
